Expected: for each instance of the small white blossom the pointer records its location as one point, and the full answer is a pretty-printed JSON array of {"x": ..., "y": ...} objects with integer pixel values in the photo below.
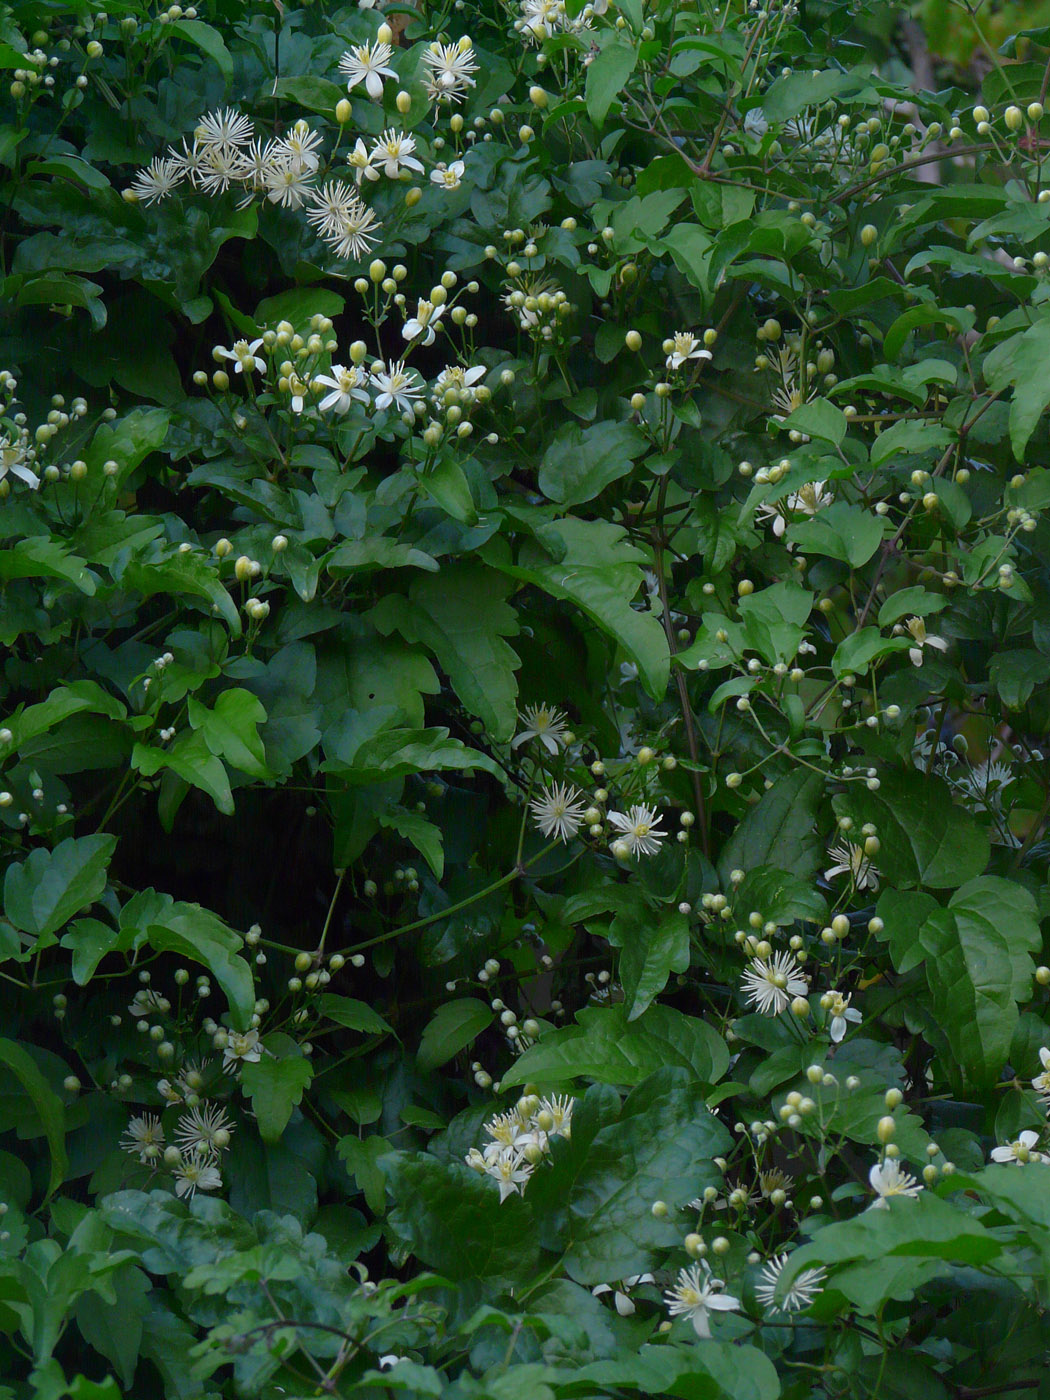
[
  {"x": 640, "y": 830},
  {"x": 851, "y": 860},
  {"x": 422, "y": 324},
  {"x": 241, "y": 1048},
  {"x": 770, "y": 986},
  {"x": 1041, "y": 1083},
  {"x": 1019, "y": 1151},
  {"x": 841, "y": 1013},
  {"x": 144, "y": 1138},
  {"x": 226, "y": 127},
  {"x": 546, "y": 723},
  {"x": 559, "y": 811},
  {"x": 393, "y": 151},
  {"x": 160, "y": 177},
  {"x": 368, "y": 64},
  {"x": 685, "y": 347},
  {"x": 450, "y": 69},
  {"x": 360, "y": 161},
  {"x": 917, "y": 627},
  {"x": 449, "y": 176},
  {"x": 347, "y": 383},
  {"x": 196, "y": 1173},
  {"x": 244, "y": 356},
  {"x": 697, "y": 1293},
  {"x": 889, "y": 1179},
  {"x": 396, "y": 385},
  {"x": 511, "y": 1170},
  {"x": 801, "y": 1293},
  {"x": 204, "y": 1131},
  {"x": 621, "y": 1293}
]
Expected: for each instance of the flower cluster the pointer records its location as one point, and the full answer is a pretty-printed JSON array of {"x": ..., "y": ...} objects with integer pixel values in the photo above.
[{"x": 519, "y": 1141}]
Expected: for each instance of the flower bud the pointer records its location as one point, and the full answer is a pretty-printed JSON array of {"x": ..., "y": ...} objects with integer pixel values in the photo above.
[
  {"x": 403, "y": 101},
  {"x": 885, "y": 1129},
  {"x": 343, "y": 111}
]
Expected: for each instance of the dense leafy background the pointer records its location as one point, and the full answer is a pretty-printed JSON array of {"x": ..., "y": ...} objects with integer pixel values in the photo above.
[{"x": 625, "y": 716}]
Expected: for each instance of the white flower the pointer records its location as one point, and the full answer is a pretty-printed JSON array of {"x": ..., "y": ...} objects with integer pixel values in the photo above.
[
  {"x": 508, "y": 1130},
  {"x": 841, "y": 1013},
  {"x": 1020, "y": 1151},
  {"x": 1041, "y": 1083},
  {"x": 511, "y": 1170},
  {"x": 803, "y": 1290},
  {"x": 224, "y": 128},
  {"x": 559, "y": 811},
  {"x": 13, "y": 459},
  {"x": 241, "y": 1048},
  {"x": 300, "y": 145},
  {"x": 244, "y": 356},
  {"x": 770, "y": 986},
  {"x": 422, "y": 324},
  {"x": 393, "y": 151},
  {"x": 917, "y": 627},
  {"x": 696, "y": 1293},
  {"x": 560, "y": 1110},
  {"x": 252, "y": 165},
  {"x": 455, "y": 377},
  {"x": 807, "y": 500},
  {"x": 204, "y": 1132},
  {"x": 287, "y": 183},
  {"x": 196, "y": 1173},
  {"x": 887, "y": 1179},
  {"x": 147, "y": 1002},
  {"x": 299, "y": 389},
  {"x": 219, "y": 167},
  {"x": 546, "y": 723},
  {"x": 639, "y": 828},
  {"x": 450, "y": 69},
  {"x": 144, "y": 1138},
  {"x": 397, "y": 385},
  {"x": 851, "y": 860},
  {"x": 624, "y": 1306},
  {"x": 368, "y": 64},
  {"x": 684, "y": 347},
  {"x": 357, "y": 233},
  {"x": 347, "y": 383},
  {"x": 159, "y": 178},
  {"x": 360, "y": 161},
  {"x": 448, "y": 176},
  {"x": 330, "y": 206}
]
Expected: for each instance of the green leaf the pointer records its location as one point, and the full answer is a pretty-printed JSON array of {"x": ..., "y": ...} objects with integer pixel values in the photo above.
[
  {"x": 48, "y": 1107},
  {"x": 39, "y": 557},
  {"x": 779, "y": 830},
  {"x": 1021, "y": 361},
  {"x": 840, "y": 531},
  {"x": 354, "y": 1015},
  {"x": 201, "y": 936},
  {"x": 819, "y": 419},
  {"x": 653, "y": 948},
  {"x": 855, "y": 653},
  {"x": 230, "y": 730},
  {"x": 125, "y": 441},
  {"x": 453, "y": 1220},
  {"x": 425, "y": 836},
  {"x": 275, "y": 1088},
  {"x": 208, "y": 40},
  {"x": 90, "y": 940},
  {"x": 189, "y": 757},
  {"x": 183, "y": 573},
  {"x": 462, "y": 616},
  {"x": 925, "y": 839},
  {"x": 599, "y": 573},
  {"x": 581, "y": 462},
  {"x": 1016, "y": 674},
  {"x": 44, "y": 891},
  {"x": 595, "y": 1200},
  {"x": 446, "y": 482},
  {"x": 910, "y": 602},
  {"x": 453, "y": 1027},
  {"x": 362, "y": 1157},
  {"x": 606, "y": 77},
  {"x": 780, "y": 897},
  {"x": 608, "y": 1048},
  {"x": 979, "y": 962}
]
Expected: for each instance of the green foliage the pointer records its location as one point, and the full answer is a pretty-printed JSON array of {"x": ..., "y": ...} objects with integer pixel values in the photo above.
[{"x": 526, "y": 630}]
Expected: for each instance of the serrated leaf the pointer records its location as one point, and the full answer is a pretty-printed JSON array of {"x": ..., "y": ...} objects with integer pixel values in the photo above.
[
  {"x": 275, "y": 1088},
  {"x": 44, "y": 891}
]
